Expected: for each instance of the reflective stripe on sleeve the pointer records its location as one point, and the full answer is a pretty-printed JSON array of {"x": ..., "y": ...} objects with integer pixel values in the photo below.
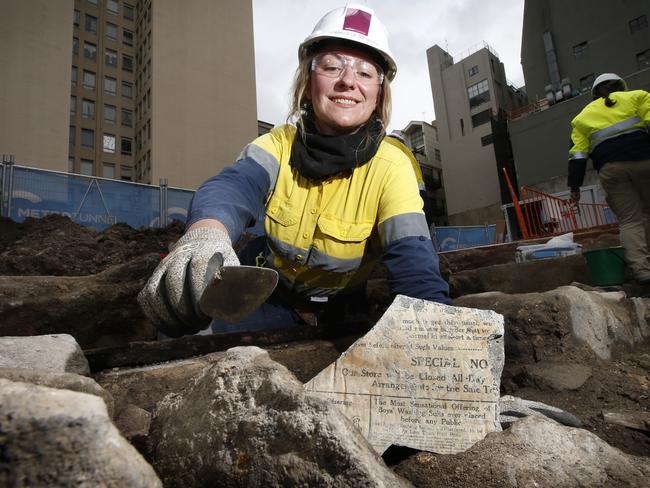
[
  {"x": 578, "y": 155},
  {"x": 265, "y": 159},
  {"x": 403, "y": 225}
]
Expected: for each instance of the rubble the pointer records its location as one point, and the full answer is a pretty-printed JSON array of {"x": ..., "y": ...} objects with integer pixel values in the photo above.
[
  {"x": 58, "y": 438},
  {"x": 574, "y": 356}
]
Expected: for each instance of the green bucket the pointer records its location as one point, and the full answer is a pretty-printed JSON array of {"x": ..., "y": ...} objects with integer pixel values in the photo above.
[{"x": 607, "y": 266}]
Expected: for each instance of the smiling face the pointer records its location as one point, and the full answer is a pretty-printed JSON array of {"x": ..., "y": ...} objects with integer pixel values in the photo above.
[{"x": 341, "y": 105}]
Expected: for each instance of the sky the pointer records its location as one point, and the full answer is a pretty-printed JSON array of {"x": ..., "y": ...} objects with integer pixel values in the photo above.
[{"x": 413, "y": 26}]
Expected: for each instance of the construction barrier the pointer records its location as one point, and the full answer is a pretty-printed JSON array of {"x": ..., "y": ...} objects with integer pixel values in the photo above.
[
  {"x": 453, "y": 238},
  {"x": 547, "y": 215},
  {"x": 89, "y": 201}
]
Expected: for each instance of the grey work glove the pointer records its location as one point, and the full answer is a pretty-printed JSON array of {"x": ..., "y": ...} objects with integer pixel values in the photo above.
[{"x": 170, "y": 299}]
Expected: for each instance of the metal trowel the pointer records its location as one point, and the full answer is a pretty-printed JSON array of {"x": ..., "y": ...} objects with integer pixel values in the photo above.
[{"x": 235, "y": 292}]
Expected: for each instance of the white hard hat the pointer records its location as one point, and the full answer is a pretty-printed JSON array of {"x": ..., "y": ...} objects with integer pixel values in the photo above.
[
  {"x": 606, "y": 77},
  {"x": 355, "y": 23}
]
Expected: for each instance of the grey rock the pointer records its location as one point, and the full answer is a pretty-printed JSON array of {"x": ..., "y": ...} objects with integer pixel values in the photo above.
[
  {"x": 246, "y": 421},
  {"x": 133, "y": 421},
  {"x": 58, "y": 353},
  {"x": 66, "y": 381},
  {"x": 558, "y": 376},
  {"x": 534, "y": 452},
  {"x": 513, "y": 409},
  {"x": 61, "y": 438},
  {"x": 565, "y": 321}
]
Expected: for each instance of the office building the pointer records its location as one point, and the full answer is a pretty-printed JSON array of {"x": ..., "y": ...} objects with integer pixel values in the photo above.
[
  {"x": 471, "y": 96},
  {"x": 147, "y": 89},
  {"x": 564, "y": 47},
  {"x": 422, "y": 139}
]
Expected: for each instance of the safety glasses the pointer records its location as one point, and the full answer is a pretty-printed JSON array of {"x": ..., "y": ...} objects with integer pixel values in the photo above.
[{"x": 333, "y": 65}]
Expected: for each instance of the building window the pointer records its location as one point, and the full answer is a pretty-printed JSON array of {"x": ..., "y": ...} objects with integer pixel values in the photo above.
[
  {"x": 75, "y": 46},
  {"x": 91, "y": 24},
  {"x": 473, "y": 70},
  {"x": 76, "y": 16},
  {"x": 478, "y": 93},
  {"x": 643, "y": 59},
  {"x": 481, "y": 118},
  {"x": 638, "y": 24},
  {"x": 109, "y": 143},
  {"x": 436, "y": 152},
  {"x": 70, "y": 164},
  {"x": 89, "y": 80},
  {"x": 586, "y": 82},
  {"x": 92, "y": 2},
  {"x": 126, "y": 146},
  {"x": 129, "y": 12},
  {"x": 73, "y": 76},
  {"x": 127, "y": 37},
  {"x": 88, "y": 138},
  {"x": 87, "y": 109},
  {"x": 127, "y": 63},
  {"x": 73, "y": 105},
  {"x": 417, "y": 139},
  {"x": 580, "y": 49},
  {"x": 126, "y": 173},
  {"x": 111, "y": 58},
  {"x": 462, "y": 127},
  {"x": 112, "y": 6},
  {"x": 127, "y": 118},
  {"x": 90, "y": 50},
  {"x": 110, "y": 113},
  {"x": 72, "y": 135},
  {"x": 110, "y": 85},
  {"x": 486, "y": 140},
  {"x": 127, "y": 89},
  {"x": 86, "y": 167},
  {"x": 108, "y": 170},
  {"x": 111, "y": 31}
]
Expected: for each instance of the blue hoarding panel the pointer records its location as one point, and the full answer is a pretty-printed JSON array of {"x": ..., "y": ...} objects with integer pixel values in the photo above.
[{"x": 453, "y": 238}]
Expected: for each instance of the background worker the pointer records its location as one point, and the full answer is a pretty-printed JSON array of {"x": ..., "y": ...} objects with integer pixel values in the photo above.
[
  {"x": 613, "y": 131},
  {"x": 335, "y": 196}
]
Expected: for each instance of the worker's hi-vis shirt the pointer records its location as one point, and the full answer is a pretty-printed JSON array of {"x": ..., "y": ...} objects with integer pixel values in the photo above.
[
  {"x": 414, "y": 162},
  {"x": 608, "y": 134},
  {"x": 326, "y": 236}
]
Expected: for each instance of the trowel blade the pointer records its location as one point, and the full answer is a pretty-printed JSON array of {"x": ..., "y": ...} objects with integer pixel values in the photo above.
[{"x": 238, "y": 292}]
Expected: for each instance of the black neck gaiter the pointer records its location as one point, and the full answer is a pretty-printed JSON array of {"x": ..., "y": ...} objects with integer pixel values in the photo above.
[{"x": 319, "y": 157}]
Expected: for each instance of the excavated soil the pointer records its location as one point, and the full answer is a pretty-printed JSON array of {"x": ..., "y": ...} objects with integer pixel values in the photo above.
[{"x": 56, "y": 246}]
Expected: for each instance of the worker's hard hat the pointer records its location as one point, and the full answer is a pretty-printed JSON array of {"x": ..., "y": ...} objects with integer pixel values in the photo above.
[
  {"x": 606, "y": 77},
  {"x": 357, "y": 24}
]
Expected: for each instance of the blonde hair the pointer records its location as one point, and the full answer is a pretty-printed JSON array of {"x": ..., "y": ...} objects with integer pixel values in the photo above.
[{"x": 300, "y": 105}]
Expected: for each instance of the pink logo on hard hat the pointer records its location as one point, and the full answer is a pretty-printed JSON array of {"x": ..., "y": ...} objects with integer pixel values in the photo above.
[{"x": 357, "y": 20}]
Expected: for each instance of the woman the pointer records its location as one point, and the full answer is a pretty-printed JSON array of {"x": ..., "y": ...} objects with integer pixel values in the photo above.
[
  {"x": 334, "y": 197},
  {"x": 613, "y": 131}
]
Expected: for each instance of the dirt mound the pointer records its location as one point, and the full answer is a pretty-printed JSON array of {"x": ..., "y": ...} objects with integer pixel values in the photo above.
[{"x": 56, "y": 246}]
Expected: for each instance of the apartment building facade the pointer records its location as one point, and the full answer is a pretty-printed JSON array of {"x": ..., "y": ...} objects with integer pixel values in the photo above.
[
  {"x": 570, "y": 47},
  {"x": 153, "y": 89},
  {"x": 471, "y": 95},
  {"x": 422, "y": 139}
]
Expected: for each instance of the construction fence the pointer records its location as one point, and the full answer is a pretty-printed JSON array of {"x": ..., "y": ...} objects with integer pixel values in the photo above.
[
  {"x": 87, "y": 200},
  {"x": 463, "y": 237}
]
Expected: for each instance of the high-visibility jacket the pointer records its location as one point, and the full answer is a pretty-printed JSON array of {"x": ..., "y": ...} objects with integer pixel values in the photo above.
[
  {"x": 324, "y": 237},
  {"x": 414, "y": 162},
  {"x": 609, "y": 134}
]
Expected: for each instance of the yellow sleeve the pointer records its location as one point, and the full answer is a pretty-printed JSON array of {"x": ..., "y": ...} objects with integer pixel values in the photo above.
[{"x": 580, "y": 141}]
